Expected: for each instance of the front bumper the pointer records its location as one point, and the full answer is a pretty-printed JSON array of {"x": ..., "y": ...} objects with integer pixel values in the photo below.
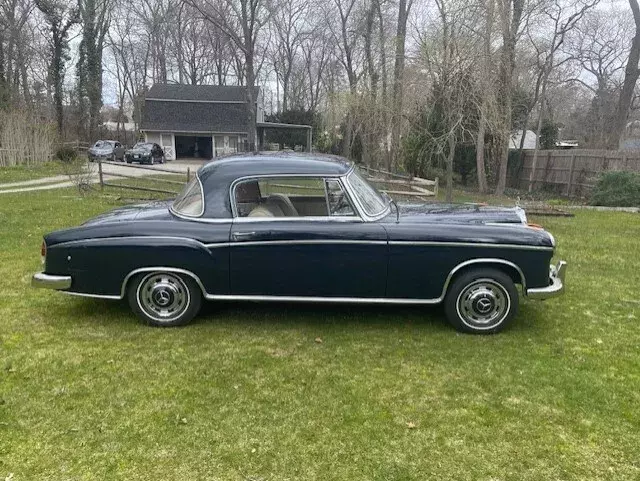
[
  {"x": 556, "y": 283},
  {"x": 48, "y": 281}
]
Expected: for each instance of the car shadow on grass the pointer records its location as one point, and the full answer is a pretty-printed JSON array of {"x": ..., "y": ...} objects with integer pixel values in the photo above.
[{"x": 277, "y": 314}]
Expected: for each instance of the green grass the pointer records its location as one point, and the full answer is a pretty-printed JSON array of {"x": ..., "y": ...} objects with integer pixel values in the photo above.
[
  {"x": 246, "y": 392},
  {"x": 20, "y": 173}
]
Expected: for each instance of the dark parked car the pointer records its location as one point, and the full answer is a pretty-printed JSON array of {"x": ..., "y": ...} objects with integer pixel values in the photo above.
[
  {"x": 302, "y": 227},
  {"x": 145, "y": 153},
  {"x": 106, "y": 150}
]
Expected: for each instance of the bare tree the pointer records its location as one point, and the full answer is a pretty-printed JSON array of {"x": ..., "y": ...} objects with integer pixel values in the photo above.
[
  {"x": 95, "y": 18},
  {"x": 243, "y": 28},
  {"x": 510, "y": 16},
  {"x": 290, "y": 33},
  {"x": 564, "y": 17},
  {"x": 598, "y": 47},
  {"x": 60, "y": 18},
  {"x": 631, "y": 74},
  {"x": 404, "y": 8},
  {"x": 486, "y": 91}
]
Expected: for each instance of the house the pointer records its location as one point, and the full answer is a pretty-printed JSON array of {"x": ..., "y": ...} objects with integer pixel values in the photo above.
[
  {"x": 631, "y": 137},
  {"x": 203, "y": 121},
  {"x": 530, "y": 139}
]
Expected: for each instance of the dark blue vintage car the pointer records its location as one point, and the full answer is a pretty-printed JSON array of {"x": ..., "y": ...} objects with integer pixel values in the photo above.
[{"x": 296, "y": 227}]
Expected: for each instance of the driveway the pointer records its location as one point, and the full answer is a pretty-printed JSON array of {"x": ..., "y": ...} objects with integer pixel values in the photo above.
[{"x": 62, "y": 181}]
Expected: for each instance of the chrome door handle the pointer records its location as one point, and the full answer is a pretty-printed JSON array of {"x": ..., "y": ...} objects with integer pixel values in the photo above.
[{"x": 243, "y": 235}]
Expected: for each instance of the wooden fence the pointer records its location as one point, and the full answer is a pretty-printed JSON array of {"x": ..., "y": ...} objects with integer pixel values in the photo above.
[
  {"x": 401, "y": 185},
  {"x": 161, "y": 170},
  {"x": 573, "y": 172}
]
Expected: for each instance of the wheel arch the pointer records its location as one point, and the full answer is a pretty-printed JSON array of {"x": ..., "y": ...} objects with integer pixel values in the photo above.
[
  {"x": 503, "y": 265},
  {"x": 128, "y": 277}
]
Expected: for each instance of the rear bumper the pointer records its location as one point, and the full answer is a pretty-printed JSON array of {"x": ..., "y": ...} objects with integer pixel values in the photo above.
[
  {"x": 47, "y": 281},
  {"x": 556, "y": 283}
]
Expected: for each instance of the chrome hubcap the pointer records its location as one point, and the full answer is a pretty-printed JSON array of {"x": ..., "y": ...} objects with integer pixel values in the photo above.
[
  {"x": 164, "y": 297},
  {"x": 483, "y": 304}
]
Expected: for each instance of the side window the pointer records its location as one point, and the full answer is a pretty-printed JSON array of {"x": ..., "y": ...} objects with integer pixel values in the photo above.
[
  {"x": 290, "y": 197},
  {"x": 337, "y": 199}
]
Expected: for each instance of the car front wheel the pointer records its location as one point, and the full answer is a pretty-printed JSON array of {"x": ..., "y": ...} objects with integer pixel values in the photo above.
[
  {"x": 164, "y": 299},
  {"x": 481, "y": 301}
]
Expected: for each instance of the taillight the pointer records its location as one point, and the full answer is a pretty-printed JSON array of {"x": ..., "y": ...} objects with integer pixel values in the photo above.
[{"x": 43, "y": 251}]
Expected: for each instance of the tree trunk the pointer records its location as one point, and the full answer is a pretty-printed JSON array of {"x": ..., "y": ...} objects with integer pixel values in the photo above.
[
  {"x": 450, "y": 156},
  {"x": 485, "y": 82},
  {"x": 56, "y": 77},
  {"x": 511, "y": 18},
  {"x": 251, "y": 101},
  {"x": 631, "y": 74},
  {"x": 398, "y": 79},
  {"x": 480, "y": 166}
]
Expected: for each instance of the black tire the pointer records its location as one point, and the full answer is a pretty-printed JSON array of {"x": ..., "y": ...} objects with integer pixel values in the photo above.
[
  {"x": 481, "y": 301},
  {"x": 164, "y": 299},
  {"x": 129, "y": 161}
]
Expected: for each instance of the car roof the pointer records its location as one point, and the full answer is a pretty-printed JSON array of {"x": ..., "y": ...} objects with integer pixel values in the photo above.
[
  {"x": 270, "y": 163},
  {"x": 218, "y": 175}
]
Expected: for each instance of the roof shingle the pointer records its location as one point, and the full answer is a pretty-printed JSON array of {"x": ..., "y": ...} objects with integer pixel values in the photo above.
[
  {"x": 194, "y": 117},
  {"x": 199, "y": 93}
]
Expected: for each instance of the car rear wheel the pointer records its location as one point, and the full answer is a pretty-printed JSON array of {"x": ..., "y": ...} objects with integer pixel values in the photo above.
[
  {"x": 481, "y": 301},
  {"x": 164, "y": 299}
]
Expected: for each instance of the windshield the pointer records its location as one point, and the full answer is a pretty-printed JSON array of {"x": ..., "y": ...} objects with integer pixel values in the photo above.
[
  {"x": 368, "y": 197},
  {"x": 143, "y": 145},
  {"x": 102, "y": 144},
  {"x": 190, "y": 201}
]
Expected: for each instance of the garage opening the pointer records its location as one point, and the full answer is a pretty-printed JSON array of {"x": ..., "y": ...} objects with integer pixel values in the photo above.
[{"x": 194, "y": 147}]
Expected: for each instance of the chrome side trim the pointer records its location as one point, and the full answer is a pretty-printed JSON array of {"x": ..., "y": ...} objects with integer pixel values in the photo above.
[
  {"x": 320, "y": 299},
  {"x": 337, "y": 300},
  {"x": 48, "y": 281},
  {"x": 470, "y": 244},
  {"x": 167, "y": 269},
  {"x": 352, "y": 219},
  {"x": 556, "y": 283},
  {"x": 489, "y": 261},
  {"x": 100, "y": 239},
  {"x": 95, "y": 296},
  {"x": 204, "y": 220},
  {"x": 293, "y": 242}
]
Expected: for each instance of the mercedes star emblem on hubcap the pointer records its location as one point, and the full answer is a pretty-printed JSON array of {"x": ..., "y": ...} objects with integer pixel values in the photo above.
[
  {"x": 162, "y": 297},
  {"x": 484, "y": 304}
]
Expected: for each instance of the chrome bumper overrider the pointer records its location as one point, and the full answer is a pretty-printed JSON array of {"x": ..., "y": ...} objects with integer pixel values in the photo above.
[
  {"x": 556, "y": 283},
  {"x": 47, "y": 281}
]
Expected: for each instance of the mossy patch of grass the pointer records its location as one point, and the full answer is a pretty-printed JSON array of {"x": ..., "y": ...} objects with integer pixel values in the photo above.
[{"x": 249, "y": 391}]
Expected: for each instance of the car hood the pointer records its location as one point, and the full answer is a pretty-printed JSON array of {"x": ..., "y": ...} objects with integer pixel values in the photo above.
[
  {"x": 151, "y": 211},
  {"x": 100, "y": 151},
  {"x": 459, "y": 214}
]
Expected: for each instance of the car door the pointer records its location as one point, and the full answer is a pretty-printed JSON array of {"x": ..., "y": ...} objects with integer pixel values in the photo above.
[{"x": 286, "y": 240}]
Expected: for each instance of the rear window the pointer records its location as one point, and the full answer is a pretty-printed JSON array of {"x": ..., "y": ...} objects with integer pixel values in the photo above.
[{"x": 190, "y": 201}]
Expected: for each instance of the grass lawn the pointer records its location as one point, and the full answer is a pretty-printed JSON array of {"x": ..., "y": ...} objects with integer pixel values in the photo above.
[
  {"x": 247, "y": 393},
  {"x": 20, "y": 173}
]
